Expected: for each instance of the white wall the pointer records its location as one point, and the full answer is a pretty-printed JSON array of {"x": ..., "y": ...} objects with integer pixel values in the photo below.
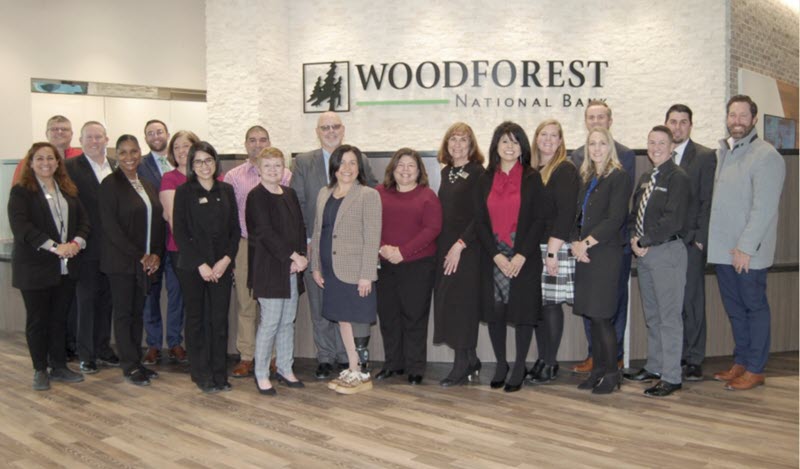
[
  {"x": 149, "y": 42},
  {"x": 658, "y": 54}
]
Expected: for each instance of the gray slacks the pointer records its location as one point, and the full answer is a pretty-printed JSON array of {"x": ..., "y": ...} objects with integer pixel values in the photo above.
[{"x": 662, "y": 279}]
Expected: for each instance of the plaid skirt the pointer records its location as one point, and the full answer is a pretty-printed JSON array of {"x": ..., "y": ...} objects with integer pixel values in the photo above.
[{"x": 560, "y": 288}]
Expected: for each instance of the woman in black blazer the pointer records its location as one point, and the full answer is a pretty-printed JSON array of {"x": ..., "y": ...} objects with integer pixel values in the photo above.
[
  {"x": 133, "y": 230},
  {"x": 509, "y": 219},
  {"x": 597, "y": 246},
  {"x": 50, "y": 226},
  {"x": 205, "y": 223},
  {"x": 277, "y": 246}
]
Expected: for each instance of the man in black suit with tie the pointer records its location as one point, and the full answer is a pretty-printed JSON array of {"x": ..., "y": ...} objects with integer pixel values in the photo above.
[
  {"x": 700, "y": 163},
  {"x": 93, "y": 290},
  {"x": 598, "y": 114},
  {"x": 153, "y": 166}
]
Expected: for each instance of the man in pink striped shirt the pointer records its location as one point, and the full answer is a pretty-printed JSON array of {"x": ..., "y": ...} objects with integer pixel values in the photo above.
[{"x": 244, "y": 178}]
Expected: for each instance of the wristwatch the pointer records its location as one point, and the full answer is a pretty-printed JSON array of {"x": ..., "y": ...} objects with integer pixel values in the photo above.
[{"x": 551, "y": 255}]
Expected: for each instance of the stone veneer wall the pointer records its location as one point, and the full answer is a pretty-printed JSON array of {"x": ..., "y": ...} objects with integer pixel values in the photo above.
[{"x": 764, "y": 39}]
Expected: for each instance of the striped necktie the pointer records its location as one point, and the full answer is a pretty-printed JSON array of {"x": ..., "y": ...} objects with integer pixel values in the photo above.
[{"x": 648, "y": 190}]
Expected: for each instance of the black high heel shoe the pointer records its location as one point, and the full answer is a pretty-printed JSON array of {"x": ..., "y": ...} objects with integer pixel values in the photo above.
[
  {"x": 538, "y": 365},
  {"x": 546, "y": 374},
  {"x": 499, "y": 378},
  {"x": 474, "y": 372},
  {"x": 607, "y": 383},
  {"x": 292, "y": 384},
  {"x": 265, "y": 392},
  {"x": 593, "y": 380}
]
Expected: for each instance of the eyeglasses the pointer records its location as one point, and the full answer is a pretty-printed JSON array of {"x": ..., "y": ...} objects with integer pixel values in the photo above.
[
  {"x": 208, "y": 162},
  {"x": 154, "y": 133},
  {"x": 326, "y": 128},
  {"x": 60, "y": 129}
]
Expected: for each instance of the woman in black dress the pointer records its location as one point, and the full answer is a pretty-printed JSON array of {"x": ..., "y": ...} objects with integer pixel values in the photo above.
[
  {"x": 456, "y": 301},
  {"x": 561, "y": 181},
  {"x": 509, "y": 219},
  {"x": 597, "y": 245},
  {"x": 50, "y": 227},
  {"x": 206, "y": 227},
  {"x": 133, "y": 234}
]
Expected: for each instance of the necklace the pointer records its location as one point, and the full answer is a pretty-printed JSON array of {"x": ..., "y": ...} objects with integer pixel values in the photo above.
[{"x": 456, "y": 173}]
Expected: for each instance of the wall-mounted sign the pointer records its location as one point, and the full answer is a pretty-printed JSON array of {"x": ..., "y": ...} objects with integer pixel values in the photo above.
[{"x": 461, "y": 84}]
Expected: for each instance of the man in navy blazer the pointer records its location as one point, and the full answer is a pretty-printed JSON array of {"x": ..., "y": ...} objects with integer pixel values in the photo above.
[
  {"x": 309, "y": 175},
  {"x": 700, "y": 164},
  {"x": 93, "y": 289},
  {"x": 598, "y": 114},
  {"x": 153, "y": 166}
]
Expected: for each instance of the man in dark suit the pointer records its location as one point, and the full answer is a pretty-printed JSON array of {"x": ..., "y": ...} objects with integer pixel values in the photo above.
[
  {"x": 153, "y": 166},
  {"x": 598, "y": 114},
  {"x": 310, "y": 174},
  {"x": 93, "y": 290},
  {"x": 700, "y": 163}
]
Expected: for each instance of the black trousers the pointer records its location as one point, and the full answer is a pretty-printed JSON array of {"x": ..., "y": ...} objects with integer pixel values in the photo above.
[
  {"x": 46, "y": 322},
  {"x": 206, "y": 313},
  {"x": 694, "y": 307},
  {"x": 404, "y": 302},
  {"x": 94, "y": 312},
  {"x": 127, "y": 298}
]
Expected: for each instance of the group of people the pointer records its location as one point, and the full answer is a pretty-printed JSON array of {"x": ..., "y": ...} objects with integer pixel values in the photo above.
[{"x": 509, "y": 238}]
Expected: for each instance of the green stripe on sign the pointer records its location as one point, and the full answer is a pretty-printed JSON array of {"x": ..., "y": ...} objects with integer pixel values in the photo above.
[{"x": 402, "y": 102}]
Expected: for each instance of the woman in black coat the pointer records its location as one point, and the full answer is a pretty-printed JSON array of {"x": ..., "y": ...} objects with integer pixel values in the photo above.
[
  {"x": 206, "y": 227},
  {"x": 50, "y": 227},
  {"x": 509, "y": 219},
  {"x": 276, "y": 257},
  {"x": 133, "y": 235},
  {"x": 597, "y": 245},
  {"x": 561, "y": 181},
  {"x": 456, "y": 310}
]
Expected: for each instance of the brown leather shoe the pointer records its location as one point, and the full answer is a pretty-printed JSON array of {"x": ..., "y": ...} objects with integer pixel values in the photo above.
[
  {"x": 243, "y": 369},
  {"x": 178, "y": 354},
  {"x": 584, "y": 366},
  {"x": 746, "y": 381},
  {"x": 735, "y": 371},
  {"x": 620, "y": 364},
  {"x": 152, "y": 356}
]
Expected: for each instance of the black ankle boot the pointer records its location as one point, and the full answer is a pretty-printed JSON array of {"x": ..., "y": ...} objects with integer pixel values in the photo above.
[
  {"x": 546, "y": 374},
  {"x": 608, "y": 383},
  {"x": 593, "y": 380}
]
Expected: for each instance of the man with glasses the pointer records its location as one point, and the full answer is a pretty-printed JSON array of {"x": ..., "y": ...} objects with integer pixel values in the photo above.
[
  {"x": 310, "y": 175},
  {"x": 59, "y": 134}
]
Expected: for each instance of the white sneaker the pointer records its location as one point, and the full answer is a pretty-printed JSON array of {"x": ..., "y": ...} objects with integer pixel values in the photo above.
[
  {"x": 332, "y": 384},
  {"x": 354, "y": 382}
]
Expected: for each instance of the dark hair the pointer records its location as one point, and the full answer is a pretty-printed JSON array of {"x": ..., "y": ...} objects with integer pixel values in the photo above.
[
  {"x": 126, "y": 138},
  {"x": 188, "y": 134},
  {"x": 205, "y": 147},
  {"x": 518, "y": 133},
  {"x": 460, "y": 128},
  {"x": 663, "y": 129},
  {"x": 27, "y": 178},
  {"x": 336, "y": 162},
  {"x": 155, "y": 121},
  {"x": 678, "y": 108},
  {"x": 389, "y": 181},
  {"x": 742, "y": 98},
  {"x": 253, "y": 129}
]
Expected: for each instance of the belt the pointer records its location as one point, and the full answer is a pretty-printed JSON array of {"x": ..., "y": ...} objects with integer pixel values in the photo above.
[{"x": 672, "y": 238}]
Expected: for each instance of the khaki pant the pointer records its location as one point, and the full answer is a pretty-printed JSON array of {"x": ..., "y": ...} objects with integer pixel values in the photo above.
[{"x": 247, "y": 307}]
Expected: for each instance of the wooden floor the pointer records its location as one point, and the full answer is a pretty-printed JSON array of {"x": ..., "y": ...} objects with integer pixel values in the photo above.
[{"x": 105, "y": 422}]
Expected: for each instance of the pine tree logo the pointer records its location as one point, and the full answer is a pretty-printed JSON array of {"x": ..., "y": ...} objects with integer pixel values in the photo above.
[{"x": 329, "y": 87}]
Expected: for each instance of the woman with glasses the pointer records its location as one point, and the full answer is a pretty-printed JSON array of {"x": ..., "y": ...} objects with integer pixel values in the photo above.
[{"x": 206, "y": 227}]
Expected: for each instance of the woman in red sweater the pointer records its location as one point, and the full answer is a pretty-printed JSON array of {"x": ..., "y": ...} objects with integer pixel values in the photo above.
[{"x": 412, "y": 219}]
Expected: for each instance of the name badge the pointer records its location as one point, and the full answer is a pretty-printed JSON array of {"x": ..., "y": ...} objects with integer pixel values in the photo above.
[
  {"x": 203, "y": 200},
  {"x": 48, "y": 197},
  {"x": 463, "y": 175},
  {"x": 662, "y": 189}
]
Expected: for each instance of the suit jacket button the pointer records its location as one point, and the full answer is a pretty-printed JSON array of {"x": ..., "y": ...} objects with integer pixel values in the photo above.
[
  {"x": 334, "y": 253},
  {"x": 334, "y": 236}
]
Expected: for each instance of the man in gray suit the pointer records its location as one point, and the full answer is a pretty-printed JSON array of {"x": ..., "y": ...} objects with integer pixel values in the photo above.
[
  {"x": 310, "y": 174},
  {"x": 699, "y": 163},
  {"x": 742, "y": 236}
]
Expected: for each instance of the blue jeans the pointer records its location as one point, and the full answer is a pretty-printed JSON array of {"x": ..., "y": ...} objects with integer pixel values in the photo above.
[
  {"x": 620, "y": 319},
  {"x": 152, "y": 306},
  {"x": 745, "y": 299}
]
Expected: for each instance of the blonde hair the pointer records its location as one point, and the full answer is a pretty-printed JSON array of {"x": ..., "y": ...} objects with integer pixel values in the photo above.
[
  {"x": 588, "y": 168},
  {"x": 270, "y": 153},
  {"x": 558, "y": 157}
]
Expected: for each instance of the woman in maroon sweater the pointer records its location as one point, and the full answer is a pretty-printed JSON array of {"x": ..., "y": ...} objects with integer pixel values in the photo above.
[{"x": 412, "y": 219}]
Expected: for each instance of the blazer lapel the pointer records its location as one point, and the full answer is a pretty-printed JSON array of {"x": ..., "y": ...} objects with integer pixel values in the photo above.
[
  {"x": 688, "y": 155},
  {"x": 320, "y": 171},
  {"x": 349, "y": 200},
  {"x": 52, "y": 229}
]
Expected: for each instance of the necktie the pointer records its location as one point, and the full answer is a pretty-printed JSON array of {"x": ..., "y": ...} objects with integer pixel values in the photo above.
[
  {"x": 648, "y": 190},
  {"x": 165, "y": 166}
]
